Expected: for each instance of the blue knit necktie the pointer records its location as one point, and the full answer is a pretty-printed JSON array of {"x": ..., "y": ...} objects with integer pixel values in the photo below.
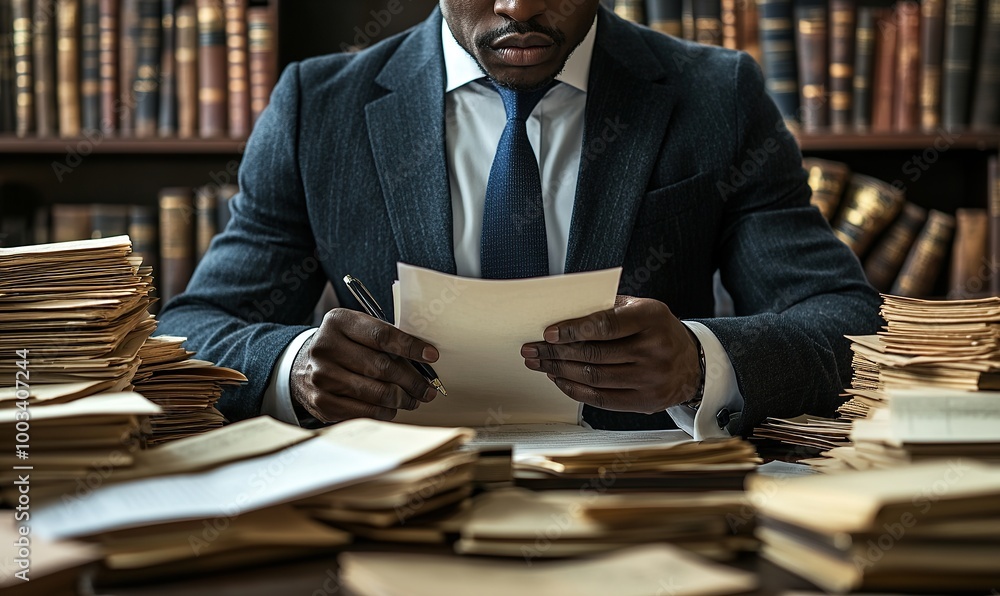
[{"x": 513, "y": 239}]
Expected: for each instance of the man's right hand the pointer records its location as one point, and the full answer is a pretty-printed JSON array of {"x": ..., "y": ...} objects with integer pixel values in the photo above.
[{"x": 355, "y": 366}]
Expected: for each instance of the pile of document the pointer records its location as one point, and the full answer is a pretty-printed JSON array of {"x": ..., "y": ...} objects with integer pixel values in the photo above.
[
  {"x": 185, "y": 388},
  {"x": 933, "y": 526},
  {"x": 46, "y": 568},
  {"x": 808, "y": 431},
  {"x": 228, "y": 497},
  {"x": 639, "y": 571},
  {"x": 76, "y": 311},
  {"x": 554, "y": 524}
]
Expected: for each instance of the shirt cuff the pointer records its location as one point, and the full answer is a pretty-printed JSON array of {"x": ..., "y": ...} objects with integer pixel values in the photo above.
[
  {"x": 277, "y": 402},
  {"x": 722, "y": 402}
]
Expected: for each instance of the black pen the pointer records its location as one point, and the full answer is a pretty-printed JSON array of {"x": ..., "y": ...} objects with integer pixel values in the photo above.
[{"x": 371, "y": 307}]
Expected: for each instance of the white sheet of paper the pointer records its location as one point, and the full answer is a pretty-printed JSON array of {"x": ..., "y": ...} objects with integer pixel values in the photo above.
[
  {"x": 479, "y": 326},
  {"x": 553, "y": 438},
  {"x": 935, "y": 415}
]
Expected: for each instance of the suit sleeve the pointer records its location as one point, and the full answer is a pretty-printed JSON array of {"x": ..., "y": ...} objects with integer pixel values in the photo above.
[
  {"x": 255, "y": 289},
  {"x": 796, "y": 288}
]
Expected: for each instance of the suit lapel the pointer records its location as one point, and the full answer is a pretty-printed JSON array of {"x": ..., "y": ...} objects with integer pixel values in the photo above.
[
  {"x": 407, "y": 136},
  {"x": 626, "y": 121}
]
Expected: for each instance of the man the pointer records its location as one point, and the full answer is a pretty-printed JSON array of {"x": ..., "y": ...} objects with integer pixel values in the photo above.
[{"x": 513, "y": 138}]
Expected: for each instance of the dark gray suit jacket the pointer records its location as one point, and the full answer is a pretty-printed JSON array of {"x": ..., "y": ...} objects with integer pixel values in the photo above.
[{"x": 687, "y": 168}]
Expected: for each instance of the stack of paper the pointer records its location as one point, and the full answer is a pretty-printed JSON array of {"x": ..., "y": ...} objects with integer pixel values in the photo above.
[
  {"x": 641, "y": 571},
  {"x": 72, "y": 447},
  {"x": 553, "y": 524},
  {"x": 43, "y": 568},
  {"x": 929, "y": 526},
  {"x": 806, "y": 431},
  {"x": 74, "y": 312},
  {"x": 186, "y": 389}
]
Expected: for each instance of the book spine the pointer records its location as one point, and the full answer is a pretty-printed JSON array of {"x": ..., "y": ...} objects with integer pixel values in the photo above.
[
  {"x": 263, "y": 58},
  {"x": 907, "y": 109},
  {"x": 128, "y": 49},
  {"x": 827, "y": 180},
  {"x": 665, "y": 16},
  {"x": 748, "y": 24},
  {"x": 187, "y": 72},
  {"x": 864, "y": 68},
  {"x": 730, "y": 36},
  {"x": 147, "y": 80},
  {"x": 211, "y": 69},
  {"x": 206, "y": 218},
  {"x": 24, "y": 92},
  {"x": 107, "y": 221},
  {"x": 842, "y": 29},
  {"x": 870, "y": 205},
  {"x": 886, "y": 259},
  {"x": 226, "y": 193},
  {"x": 8, "y": 116},
  {"x": 630, "y": 10},
  {"x": 70, "y": 222},
  {"x": 931, "y": 54},
  {"x": 811, "y": 42},
  {"x": 959, "y": 49},
  {"x": 968, "y": 254},
  {"x": 923, "y": 264},
  {"x": 68, "y": 73},
  {"x": 986, "y": 100},
  {"x": 110, "y": 100},
  {"x": 238, "y": 68},
  {"x": 993, "y": 206},
  {"x": 687, "y": 19},
  {"x": 142, "y": 229},
  {"x": 707, "y": 21},
  {"x": 45, "y": 68},
  {"x": 885, "y": 72},
  {"x": 176, "y": 241},
  {"x": 777, "y": 41},
  {"x": 40, "y": 226},
  {"x": 90, "y": 71},
  {"x": 168, "y": 70}
]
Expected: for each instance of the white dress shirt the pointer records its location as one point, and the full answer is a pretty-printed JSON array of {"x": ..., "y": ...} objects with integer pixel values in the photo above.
[{"x": 474, "y": 122}]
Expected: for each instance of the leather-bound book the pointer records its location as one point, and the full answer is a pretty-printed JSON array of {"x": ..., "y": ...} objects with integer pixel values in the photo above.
[
  {"x": 687, "y": 19},
  {"x": 90, "y": 65},
  {"x": 969, "y": 275},
  {"x": 147, "y": 79},
  {"x": 907, "y": 94},
  {"x": 23, "y": 82},
  {"x": 187, "y": 71},
  {"x": 176, "y": 241},
  {"x": 70, "y": 222},
  {"x": 883, "y": 100},
  {"x": 986, "y": 99},
  {"x": 168, "y": 71},
  {"x": 263, "y": 58},
  {"x": 110, "y": 100},
  {"x": 630, "y": 10},
  {"x": 886, "y": 259},
  {"x": 212, "y": 100},
  {"x": 959, "y": 53},
  {"x": 8, "y": 117},
  {"x": 238, "y": 68},
  {"x": 931, "y": 54},
  {"x": 810, "y": 17},
  {"x": 777, "y": 43},
  {"x": 143, "y": 224},
  {"x": 827, "y": 179},
  {"x": 730, "y": 35},
  {"x": 206, "y": 219},
  {"x": 869, "y": 206},
  {"x": 128, "y": 50},
  {"x": 925, "y": 261},
  {"x": 665, "y": 16},
  {"x": 864, "y": 68},
  {"x": 748, "y": 28},
  {"x": 107, "y": 221},
  {"x": 68, "y": 66},
  {"x": 993, "y": 206},
  {"x": 707, "y": 21},
  {"x": 842, "y": 29},
  {"x": 44, "y": 50},
  {"x": 226, "y": 194}
]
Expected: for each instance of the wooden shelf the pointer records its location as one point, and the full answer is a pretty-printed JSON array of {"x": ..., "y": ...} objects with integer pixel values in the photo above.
[
  {"x": 899, "y": 141},
  {"x": 113, "y": 146}
]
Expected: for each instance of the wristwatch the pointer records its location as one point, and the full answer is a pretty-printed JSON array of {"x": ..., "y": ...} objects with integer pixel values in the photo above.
[{"x": 695, "y": 402}]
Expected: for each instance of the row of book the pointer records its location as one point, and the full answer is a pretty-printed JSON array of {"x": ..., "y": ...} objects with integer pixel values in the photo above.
[
  {"x": 905, "y": 248},
  {"x": 835, "y": 65},
  {"x": 135, "y": 68}
]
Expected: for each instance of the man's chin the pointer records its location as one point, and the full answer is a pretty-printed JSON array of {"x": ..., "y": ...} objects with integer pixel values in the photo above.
[{"x": 525, "y": 79}]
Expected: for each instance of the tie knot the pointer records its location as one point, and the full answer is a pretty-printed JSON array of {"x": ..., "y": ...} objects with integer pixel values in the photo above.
[{"x": 519, "y": 104}]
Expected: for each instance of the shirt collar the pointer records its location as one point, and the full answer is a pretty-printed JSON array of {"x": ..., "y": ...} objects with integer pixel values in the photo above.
[{"x": 461, "y": 68}]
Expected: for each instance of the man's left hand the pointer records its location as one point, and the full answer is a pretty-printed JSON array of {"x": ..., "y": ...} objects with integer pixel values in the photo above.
[{"x": 636, "y": 357}]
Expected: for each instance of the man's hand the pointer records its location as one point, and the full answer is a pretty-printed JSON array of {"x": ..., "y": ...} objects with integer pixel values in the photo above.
[
  {"x": 636, "y": 357},
  {"x": 355, "y": 367}
]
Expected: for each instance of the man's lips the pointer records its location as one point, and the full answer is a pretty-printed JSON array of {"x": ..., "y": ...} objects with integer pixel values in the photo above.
[{"x": 529, "y": 49}]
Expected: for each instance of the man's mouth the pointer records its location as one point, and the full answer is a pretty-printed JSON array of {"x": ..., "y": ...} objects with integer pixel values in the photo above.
[{"x": 524, "y": 49}]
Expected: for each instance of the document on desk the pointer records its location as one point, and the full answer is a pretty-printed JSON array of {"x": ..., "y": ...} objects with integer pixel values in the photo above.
[
  {"x": 936, "y": 415},
  {"x": 565, "y": 439},
  {"x": 479, "y": 326}
]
